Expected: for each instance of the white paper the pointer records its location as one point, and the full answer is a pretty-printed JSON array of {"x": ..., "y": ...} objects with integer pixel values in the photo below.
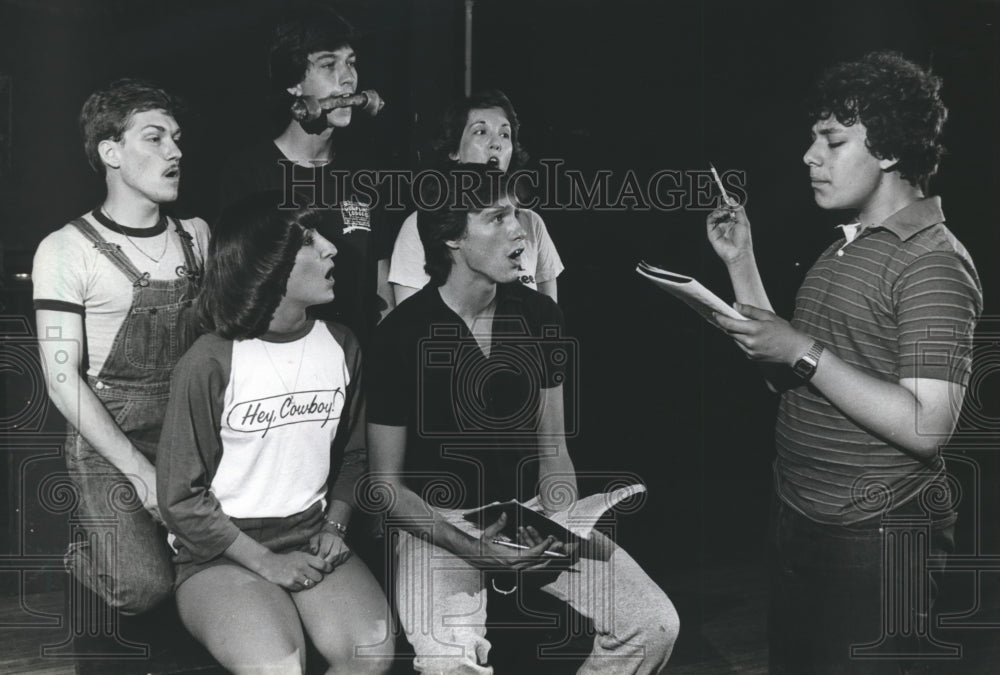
[{"x": 690, "y": 291}]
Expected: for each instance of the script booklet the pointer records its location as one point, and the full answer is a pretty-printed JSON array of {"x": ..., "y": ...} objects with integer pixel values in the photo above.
[
  {"x": 690, "y": 291},
  {"x": 568, "y": 526}
]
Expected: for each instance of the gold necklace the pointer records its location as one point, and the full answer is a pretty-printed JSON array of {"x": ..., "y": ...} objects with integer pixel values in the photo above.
[{"x": 121, "y": 228}]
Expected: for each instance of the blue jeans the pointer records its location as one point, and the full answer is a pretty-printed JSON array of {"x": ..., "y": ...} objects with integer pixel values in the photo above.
[
  {"x": 117, "y": 549},
  {"x": 853, "y": 598}
]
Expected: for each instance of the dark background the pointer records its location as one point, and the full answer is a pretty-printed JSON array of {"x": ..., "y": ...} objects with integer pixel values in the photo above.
[{"x": 599, "y": 84}]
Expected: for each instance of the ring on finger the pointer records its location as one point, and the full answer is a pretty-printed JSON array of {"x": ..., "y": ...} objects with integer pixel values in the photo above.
[{"x": 307, "y": 583}]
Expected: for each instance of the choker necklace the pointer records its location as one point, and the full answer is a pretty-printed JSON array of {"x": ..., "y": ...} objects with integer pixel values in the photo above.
[{"x": 105, "y": 219}]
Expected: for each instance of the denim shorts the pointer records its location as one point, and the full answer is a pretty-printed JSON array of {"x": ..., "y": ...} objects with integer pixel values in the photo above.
[{"x": 279, "y": 535}]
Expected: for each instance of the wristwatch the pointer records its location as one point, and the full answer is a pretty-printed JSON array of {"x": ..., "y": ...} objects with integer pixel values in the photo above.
[{"x": 805, "y": 367}]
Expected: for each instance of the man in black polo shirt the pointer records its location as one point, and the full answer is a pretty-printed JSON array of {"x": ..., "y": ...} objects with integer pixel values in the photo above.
[
  {"x": 465, "y": 406},
  {"x": 873, "y": 367}
]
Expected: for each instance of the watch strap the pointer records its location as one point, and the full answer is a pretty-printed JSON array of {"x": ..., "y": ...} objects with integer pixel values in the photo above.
[{"x": 805, "y": 366}]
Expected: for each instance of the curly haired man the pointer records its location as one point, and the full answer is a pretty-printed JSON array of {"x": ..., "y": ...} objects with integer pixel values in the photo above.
[{"x": 872, "y": 368}]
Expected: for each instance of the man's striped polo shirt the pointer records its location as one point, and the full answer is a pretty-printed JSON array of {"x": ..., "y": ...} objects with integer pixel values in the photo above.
[{"x": 899, "y": 301}]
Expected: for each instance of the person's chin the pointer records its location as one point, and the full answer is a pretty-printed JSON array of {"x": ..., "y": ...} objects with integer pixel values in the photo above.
[
  {"x": 340, "y": 118},
  {"x": 166, "y": 196},
  {"x": 823, "y": 200},
  {"x": 510, "y": 277}
]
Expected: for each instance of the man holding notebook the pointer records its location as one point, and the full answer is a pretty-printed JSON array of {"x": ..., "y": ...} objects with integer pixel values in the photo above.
[
  {"x": 465, "y": 407},
  {"x": 872, "y": 371}
]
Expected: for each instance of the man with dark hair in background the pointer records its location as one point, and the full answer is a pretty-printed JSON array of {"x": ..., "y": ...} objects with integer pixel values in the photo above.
[
  {"x": 113, "y": 294},
  {"x": 311, "y": 54},
  {"x": 873, "y": 369}
]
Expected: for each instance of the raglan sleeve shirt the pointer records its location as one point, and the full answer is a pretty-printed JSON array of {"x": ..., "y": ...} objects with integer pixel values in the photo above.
[
  {"x": 349, "y": 445},
  {"x": 190, "y": 450}
]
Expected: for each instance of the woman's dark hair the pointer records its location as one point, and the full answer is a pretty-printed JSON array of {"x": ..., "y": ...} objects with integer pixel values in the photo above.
[
  {"x": 250, "y": 257},
  {"x": 444, "y": 207},
  {"x": 457, "y": 116},
  {"x": 898, "y": 102},
  {"x": 108, "y": 111}
]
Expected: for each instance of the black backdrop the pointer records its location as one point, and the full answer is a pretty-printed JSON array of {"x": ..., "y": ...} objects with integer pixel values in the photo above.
[{"x": 599, "y": 84}]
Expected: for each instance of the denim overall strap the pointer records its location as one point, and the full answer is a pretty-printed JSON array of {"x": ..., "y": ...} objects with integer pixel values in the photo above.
[
  {"x": 190, "y": 268},
  {"x": 159, "y": 327},
  {"x": 113, "y": 252}
]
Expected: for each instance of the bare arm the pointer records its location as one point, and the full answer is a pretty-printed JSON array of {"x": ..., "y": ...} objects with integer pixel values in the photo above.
[
  {"x": 71, "y": 394},
  {"x": 387, "y": 449},
  {"x": 916, "y": 414},
  {"x": 729, "y": 234},
  {"x": 557, "y": 488}
]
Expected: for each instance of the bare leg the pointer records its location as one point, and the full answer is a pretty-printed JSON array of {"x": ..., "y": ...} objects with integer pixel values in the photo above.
[
  {"x": 347, "y": 618},
  {"x": 248, "y": 624}
]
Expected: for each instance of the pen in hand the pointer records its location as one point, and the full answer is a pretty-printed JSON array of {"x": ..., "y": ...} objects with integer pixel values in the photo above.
[
  {"x": 522, "y": 547},
  {"x": 730, "y": 202}
]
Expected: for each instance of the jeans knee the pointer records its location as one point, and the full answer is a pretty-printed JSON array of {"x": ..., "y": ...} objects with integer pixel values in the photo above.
[{"x": 133, "y": 594}]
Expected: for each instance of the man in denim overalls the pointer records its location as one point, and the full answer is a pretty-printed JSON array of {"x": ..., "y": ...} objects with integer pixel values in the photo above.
[{"x": 114, "y": 293}]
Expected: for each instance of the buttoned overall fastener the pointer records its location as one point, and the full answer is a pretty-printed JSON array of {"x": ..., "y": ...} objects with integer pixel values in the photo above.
[{"x": 118, "y": 550}]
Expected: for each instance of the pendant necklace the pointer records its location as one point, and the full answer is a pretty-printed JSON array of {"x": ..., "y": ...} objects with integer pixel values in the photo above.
[
  {"x": 121, "y": 229},
  {"x": 298, "y": 370}
]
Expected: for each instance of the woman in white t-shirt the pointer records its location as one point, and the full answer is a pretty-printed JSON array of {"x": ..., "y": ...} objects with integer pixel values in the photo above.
[
  {"x": 263, "y": 444},
  {"x": 479, "y": 129}
]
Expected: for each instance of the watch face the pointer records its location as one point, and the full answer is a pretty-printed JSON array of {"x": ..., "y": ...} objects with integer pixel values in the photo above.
[{"x": 804, "y": 367}]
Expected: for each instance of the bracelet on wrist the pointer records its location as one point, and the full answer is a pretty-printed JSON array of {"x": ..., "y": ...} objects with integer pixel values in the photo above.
[{"x": 339, "y": 527}]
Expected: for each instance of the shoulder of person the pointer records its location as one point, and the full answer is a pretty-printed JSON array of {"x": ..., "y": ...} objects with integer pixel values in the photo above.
[
  {"x": 198, "y": 230},
  {"x": 207, "y": 346},
  {"x": 418, "y": 309},
  {"x": 67, "y": 235},
  {"x": 344, "y": 336},
  {"x": 65, "y": 241},
  {"x": 538, "y": 308},
  {"x": 195, "y": 226},
  {"x": 210, "y": 353},
  {"x": 409, "y": 225}
]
